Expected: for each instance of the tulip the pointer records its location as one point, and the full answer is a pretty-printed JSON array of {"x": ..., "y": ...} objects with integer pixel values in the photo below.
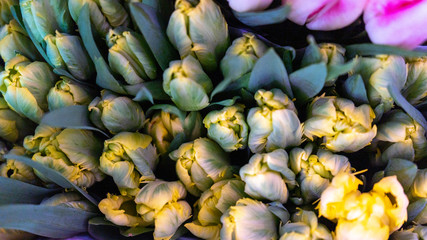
[
  {"x": 304, "y": 226},
  {"x": 415, "y": 89},
  {"x": 417, "y": 211},
  {"x": 341, "y": 125},
  {"x": 325, "y": 15},
  {"x": 404, "y": 170},
  {"x": 268, "y": 169},
  {"x": 198, "y": 28},
  {"x": 72, "y": 152},
  {"x": 67, "y": 93},
  {"x": 387, "y": 22},
  {"x": 249, "y": 6},
  {"x": 187, "y": 84},
  {"x": 71, "y": 200},
  {"x": 228, "y": 127},
  {"x": 13, "y": 40},
  {"x": 25, "y": 85},
  {"x": 17, "y": 170},
  {"x": 116, "y": 113},
  {"x": 412, "y": 233},
  {"x": 13, "y": 127},
  {"x": 200, "y": 164},
  {"x": 418, "y": 188},
  {"x": 169, "y": 218},
  {"x": 12, "y": 234},
  {"x": 121, "y": 210},
  {"x": 274, "y": 123},
  {"x": 130, "y": 158},
  {"x": 5, "y": 13}
]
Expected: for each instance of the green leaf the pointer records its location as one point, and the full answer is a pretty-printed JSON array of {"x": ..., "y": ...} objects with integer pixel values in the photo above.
[
  {"x": 312, "y": 53},
  {"x": 307, "y": 82},
  {"x": 43, "y": 220},
  {"x": 270, "y": 72},
  {"x": 403, "y": 103},
  {"x": 354, "y": 88},
  {"x": 335, "y": 71},
  {"x": 13, "y": 192},
  {"x": 368, "y": 49},
  {"x": 164, "y": 9},
  {"x": 76, "y": 116},
  {"x": 50, "y": 174},
  {"x": 135, "y": 231},
  {"x": 104, "y": 77},
  {"x": 101, "y": 221},
  {"x": 230, "y": 85},
  {"x": 226, "y": 103},
  {"x": 150, "y": 26},
  {"x": 148, "y": 91},
  {"x": 102, "y": 229},
  {"x": 179, "y": 139},
  {"x": 267, "y": 17}
]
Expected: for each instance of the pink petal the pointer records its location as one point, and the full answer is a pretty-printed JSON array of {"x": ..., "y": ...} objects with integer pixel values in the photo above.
[
  {"x": 337, "y": 15},
  {"x": 400, "y": 23},
  {"x": 249, "y": 5},
  {"x": 301, "y": 10}
]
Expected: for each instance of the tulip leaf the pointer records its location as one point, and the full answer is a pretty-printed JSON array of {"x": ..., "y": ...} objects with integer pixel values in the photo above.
[
  {"x": 100, "y": 221},
  {"x": 163, "y": 7},
  {"x": 335, "y": 71},
  {"x": 147, "y": 91},
  {"x": 50, "y": 174},
  {"x": 44, "y": 220},
  {"x": 229, "y": 84},
  {"x": 104, "y": 77},
  {"x": 266, "y": 17},
  {"x": 270, "y": 72},
  {"x": 307, "y": 82},
  {"x": 76, "y": 117},
  {"x": 226, "y": 103},
  {"x": 368, "y": 49},
  {"x": 13, "y": 192},
  {"x": 150, "y": 26},
  {"x": 179, "y": 139},
  {"x": 354, "y": 88},
  {"x": 135, "y": 231},
  {"x": 409, "y": 109},
  {"x": 312, "y": 53}
]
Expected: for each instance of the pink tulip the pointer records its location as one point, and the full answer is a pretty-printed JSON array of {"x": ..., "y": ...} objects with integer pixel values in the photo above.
[
  {"x": 249, "y": 5},
  {"x": 400, "y": 23},
  {"x": 325, "y": 14}
]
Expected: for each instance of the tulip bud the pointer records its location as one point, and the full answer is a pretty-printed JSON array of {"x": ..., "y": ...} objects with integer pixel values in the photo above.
[
  {"x": 67, "y": 51},
  {"x": 417, "y": 211},
  {"x": 71, "y": 200},
  {"x": 228, "y": 127},
  {"x": 342, "y": 126},
  {"x": 187, "y": 84},
  {"x": 419, "y": 188},
  {"x": 404, "y": 170},
  {"x": 130, "y": 56},
  {"x": 5, "y": 13},
  {"x": 116, "y": 114},
  {"x": 130, "y": 159},
  {"x": 304, "y": 226},
  {"x": 198, "y": 28},
  {"x": 200, "y": 164},
  {"x": 415, "y": 89},
  {"x": 274, "y": 123},
  {"x": 13, "y": 127},
  {"x": 13, "y": 40},
  {"x": 268, "y": 169},
  {"x": 17, "y": 170},
  {"x": 72, "y": 152},
  {"x": 121, "y": 210},
  {"x": 67, "y": 93},
  {"x": 25, "y": 85},
  {"x": 211, "y": 206},
  {"x": 169, "y": 218},
  {"x": 12, "y": 234}
]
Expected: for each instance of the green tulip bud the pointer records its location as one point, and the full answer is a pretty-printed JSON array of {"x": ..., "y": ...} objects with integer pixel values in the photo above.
[
  {"x": 13, "y": 127},
  {"x": 415, "y": 89},
  {"x": 130, "y": 56},
  {"x": 274, "y": 123},
  {"x": 164, "y": 126},
  {"x": 241, "y": 56},
  {"x": 5, "y": 13},
  {"x": 333, "y": 56},
  {"x": 67, "y": 51},
  {"x": 16, "y": 169},
  {"x": 315, "y": 171},
  {"x": 228, "y": 127},
  {"x": 417, "y": 211},
  {"x": 198, "y": 28},
  {"x": 72, "y": 152},
  {"x": 155, "y": 195},
  {"x": 97, "y": 17},
  {"x": 200, "y": 164},
  {"x": 268, "y": 169},
  {"x": 249, "y": 219},
  {"x": 71, "y": 200},
  {"x": 400, "y": 136},
  {"x": 304, "y": 226},
  {"x": 169, "y": 218},
  {"x": 187, "y": 84},
  {"x": 419, "y": 188},
  {"x": 404, "y": 170},
  {"x": 130, "y": 159},
  {"x": 116, "y": 114},
  {"x": 44, "y": 17},
  {"x": 343, "y": 127},
  {"x": 121, "y": 210},
  {"x": 13, "y": 40},
  {"x": 67, "y": 93},
  {"x": 212, "y": 204},
  {"x": 25, "y": 85}
]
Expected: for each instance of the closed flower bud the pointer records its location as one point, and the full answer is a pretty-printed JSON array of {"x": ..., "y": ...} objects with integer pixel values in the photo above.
[
  {"x": 121, "y": 210},
  {"x": 417, "y": 211},
  {"x": 274, "y": 123},
  {"x": 13, "y": 127},
  {"x": 198, "y": 28},
  {"x": 304, "y": 226},
  {"x": 419, "y": 187},
  {"x": 404, "y": 170},
  {"x": 415, "y": 89},
  {"x": 169, "y": 218},
  {"x": 17, "y": 170},
  {"x": 67, "y": 93},
  {"x": 116, "y": 113},
  {"x": 200, "y": 164},
  {"x": 13, "y": 40}
]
